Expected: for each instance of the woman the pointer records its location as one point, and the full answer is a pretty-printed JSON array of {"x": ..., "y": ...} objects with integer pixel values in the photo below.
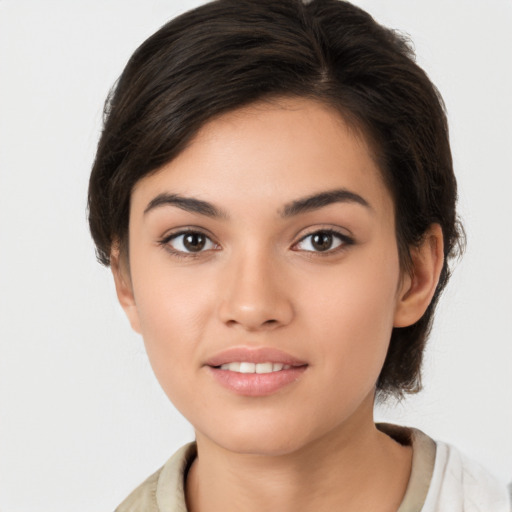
[{"x": 274, "y": 192}]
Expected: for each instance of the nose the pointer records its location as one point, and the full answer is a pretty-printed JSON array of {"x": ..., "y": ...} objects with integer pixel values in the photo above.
[{"x": 254, "y": 293}]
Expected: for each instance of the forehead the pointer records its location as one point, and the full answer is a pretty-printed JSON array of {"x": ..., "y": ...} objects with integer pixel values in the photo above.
[{"x": 272, "y": 152}]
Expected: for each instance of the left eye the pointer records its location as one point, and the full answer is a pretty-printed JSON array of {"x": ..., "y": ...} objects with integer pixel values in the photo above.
[
  {"x": 321, "y": 241},
  {"x": 190, "y": 242}
]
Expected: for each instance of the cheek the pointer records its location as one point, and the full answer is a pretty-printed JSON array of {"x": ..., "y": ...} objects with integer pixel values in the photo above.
[
  {"x": 353, "y": 315},
  {"x": 173, "y": 316}
]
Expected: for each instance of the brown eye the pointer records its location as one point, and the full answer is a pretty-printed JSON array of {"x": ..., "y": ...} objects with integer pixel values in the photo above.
[
  {"x": 323, "y": 241},
  {"x": 194, "y": 242},
  {"x": 190, "y": 242}
]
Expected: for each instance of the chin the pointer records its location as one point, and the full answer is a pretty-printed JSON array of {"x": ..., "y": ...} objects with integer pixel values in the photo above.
[
  {"x": 264, "y": 445},
  {"x": 264, "y": 437}
]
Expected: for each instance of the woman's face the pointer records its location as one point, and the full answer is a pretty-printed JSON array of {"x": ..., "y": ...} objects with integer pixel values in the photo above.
[{"x": 270, "y": 241}]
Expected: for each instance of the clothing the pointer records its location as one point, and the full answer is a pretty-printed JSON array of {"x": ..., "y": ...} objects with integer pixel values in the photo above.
[{"x": 442, "y": 480}]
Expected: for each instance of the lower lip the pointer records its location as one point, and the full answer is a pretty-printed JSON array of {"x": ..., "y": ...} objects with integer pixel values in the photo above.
[{"x": 257, "y": 384}]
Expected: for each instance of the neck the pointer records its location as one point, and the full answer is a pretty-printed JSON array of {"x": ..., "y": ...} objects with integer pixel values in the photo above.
[{"x": 354, "y": 467}]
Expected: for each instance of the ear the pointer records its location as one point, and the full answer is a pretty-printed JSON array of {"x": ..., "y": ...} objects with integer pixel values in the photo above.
[
  {"x": 124, "y": 289},
  {"x": 418, "y": 286}
]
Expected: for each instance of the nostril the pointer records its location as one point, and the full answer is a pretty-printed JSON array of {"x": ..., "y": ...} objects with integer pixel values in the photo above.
[{"x": 267, "y": 324}]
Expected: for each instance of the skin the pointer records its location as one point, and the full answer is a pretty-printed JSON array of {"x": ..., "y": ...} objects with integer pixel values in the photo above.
[{"x": 261, "y": 282}]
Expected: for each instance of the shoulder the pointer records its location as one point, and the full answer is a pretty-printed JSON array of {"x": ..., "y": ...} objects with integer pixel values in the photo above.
[
  {"x": 143, "y": 498},
  {"x": 459, "y": 483},
  {"x": 443, "y": 479},
  {"x": 164, "y": 489}
]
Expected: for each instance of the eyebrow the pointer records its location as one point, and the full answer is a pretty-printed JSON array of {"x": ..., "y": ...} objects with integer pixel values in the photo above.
[
  {"x": 296, "y": 207},
  {"x": 189, "y": 204},
  {"x": 319, "y": 200}
]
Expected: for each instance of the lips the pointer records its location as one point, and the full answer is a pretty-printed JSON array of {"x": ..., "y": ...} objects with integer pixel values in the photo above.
[
  {"x": 255, "y": 371},
  {"x": 254, "y": 355}
]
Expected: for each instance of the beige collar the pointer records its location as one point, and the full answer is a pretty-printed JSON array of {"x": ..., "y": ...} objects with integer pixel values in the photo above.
[
  {"x": 423, "y": 459},
  {"x": 164, "y": 491}
]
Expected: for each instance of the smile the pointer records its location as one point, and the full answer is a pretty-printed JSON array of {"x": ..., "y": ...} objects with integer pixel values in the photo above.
[
  {"x": 246, "y": 367},
  {"x": 255, "y": 371}
]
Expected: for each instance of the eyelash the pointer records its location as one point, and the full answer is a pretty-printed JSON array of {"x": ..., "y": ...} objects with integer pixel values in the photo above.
[
  {"x": 343, "y": 239},
  {"x": 344, "y": 242},
  {"x": 165, "y": 243}
]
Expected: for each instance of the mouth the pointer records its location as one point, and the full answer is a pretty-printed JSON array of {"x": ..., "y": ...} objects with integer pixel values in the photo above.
[
  {"x": 247, "y": 367},
  {"x": 250, "y": 359},
  {"x": 255, "y": 371}
]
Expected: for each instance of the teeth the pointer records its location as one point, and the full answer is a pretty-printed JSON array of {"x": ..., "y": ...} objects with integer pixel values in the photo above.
[
  {"x": 264, "y": 368},
  {"x": 244, "y": 367},
  {"x": 234, "y": 367},
  {"x": 247, "y": 368}
]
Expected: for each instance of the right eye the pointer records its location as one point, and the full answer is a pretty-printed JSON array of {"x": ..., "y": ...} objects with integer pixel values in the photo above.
[{"x": 189, "y": 242}]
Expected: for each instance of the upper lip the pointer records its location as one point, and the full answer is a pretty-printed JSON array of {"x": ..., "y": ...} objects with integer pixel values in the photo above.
[{"x": 253, "y": 355}]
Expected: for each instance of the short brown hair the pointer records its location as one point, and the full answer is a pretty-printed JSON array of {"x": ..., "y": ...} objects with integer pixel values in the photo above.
[{"x": 229, "y": 53}]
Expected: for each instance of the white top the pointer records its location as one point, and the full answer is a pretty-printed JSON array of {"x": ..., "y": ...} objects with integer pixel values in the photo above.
[
  {"x": 442, "y": 480},
  {"x": 460, "y": 484}
]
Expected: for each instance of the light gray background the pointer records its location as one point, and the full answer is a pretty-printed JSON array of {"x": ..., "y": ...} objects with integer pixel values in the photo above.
[{"x": 82, "y": 419}]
